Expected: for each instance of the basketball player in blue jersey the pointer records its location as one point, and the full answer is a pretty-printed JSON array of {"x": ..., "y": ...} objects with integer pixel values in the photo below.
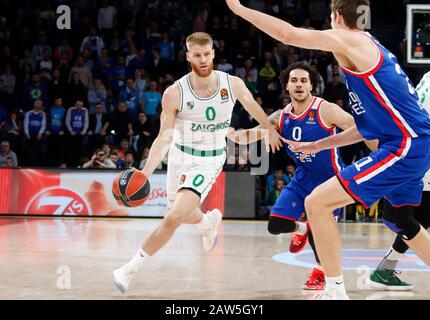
[
  {"x": 306, "y": 118},
  {"x": 385, "y": 107}
]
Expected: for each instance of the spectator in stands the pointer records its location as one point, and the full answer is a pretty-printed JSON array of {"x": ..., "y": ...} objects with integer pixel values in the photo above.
[
  {"x": 145, "y": 154},
  {"x": 8, "y": 163},
  {"x": 120, "y": 123},
  {"x": 124, "y": 147},
  {"x": 103, "y": 64},
  {"x": 166, "y": 49},
  {"x": 248, "y": 69},
  {"x": 34, "y": 129},
  {"x": 139, "y": 61},
  {"x": 85, "y": 74},
  {"x": 45, "y": 62},
  {"x": 56, "y": 86},
  {"x": 12, "y": 128},
  {"x": 276, "y": 175},
  {"x": 129, "y": 161},
  {"x": 106, "y": 148},
  {"x": 141, "y": 81},
  {"x": 267, "y": 72},
  {"x": 36, "y": 90},
  {"x": 106, "y": 20},
  {"x": 97, "y": 95},
  {"x": 9, "y": 79},
  {"x": 144, "y": 131},
  {"x": 6, "y": 98},
  {"x": 7, "y": 153},
  {"x": 156, "y": 66},
  {"x": 336, "y": 90},
  {"x": 42, "y": 44},
  {"x": 99, "y": 161},
  {"x": 150, "y": 101},
  {"x": 98, "y": 128},
  {"x": 225, "y": 66},
  {"x": 118, "y": 75},
  {"x": 115, "y": 159},
  {"x": 130, "y": 95},
  {"x": 77, "y": 122},
  {"x": 291, "y": 171},
  {"x": 274, "y": 193},
  {"x": 63, "y": 52},
  {"x": 55, "y": 133},
  {"x": 76, "y": 90},
  {"x": 93, "y": 42}
]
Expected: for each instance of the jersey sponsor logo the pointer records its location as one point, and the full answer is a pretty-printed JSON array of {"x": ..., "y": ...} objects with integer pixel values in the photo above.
[
  {"x": 198, "y": 127},
  {"x": 182, "y": 179},
  {"x": 311, "y": 118},
  {"x": 356, "y": 105},
  {"x": 224, "y": 94},
  {"x": 190, "y": 105}
]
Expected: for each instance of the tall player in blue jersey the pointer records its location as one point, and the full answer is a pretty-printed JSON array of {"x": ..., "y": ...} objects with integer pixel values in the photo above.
[
  {"x": 306, "y": 118},
  {"x": 385, "y": 107}
]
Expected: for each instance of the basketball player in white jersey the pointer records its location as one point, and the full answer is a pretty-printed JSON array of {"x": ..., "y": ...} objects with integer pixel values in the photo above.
[
  {"x": 196, "y": 115},
  {"x": 385, "y": 276}
]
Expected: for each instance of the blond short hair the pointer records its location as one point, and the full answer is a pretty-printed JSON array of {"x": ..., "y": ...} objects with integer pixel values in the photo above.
[{"x": 199, "y": 38}]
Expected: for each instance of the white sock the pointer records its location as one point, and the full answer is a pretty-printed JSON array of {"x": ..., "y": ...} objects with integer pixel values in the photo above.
[
  {"x": 204, "y": 224},
  {"x": 319, "y": 267},
  {"x": 137, "y": 261},
  {"x": 302, "y": 228},
  {"x": 335, "y": 283},
  {"x": 393, "y": 255}
]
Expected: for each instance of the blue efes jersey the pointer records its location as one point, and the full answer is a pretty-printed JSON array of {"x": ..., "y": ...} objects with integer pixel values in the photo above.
[
  {"x": 384, "y": 102},
  {"x": 310, "y": 127}
]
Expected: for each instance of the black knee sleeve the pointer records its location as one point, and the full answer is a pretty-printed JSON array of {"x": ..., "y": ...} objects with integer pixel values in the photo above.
[
  {"x": 400, "y": 220},
  {"x": 278, "y": 225},
  {"x": 422, "y": 212}
]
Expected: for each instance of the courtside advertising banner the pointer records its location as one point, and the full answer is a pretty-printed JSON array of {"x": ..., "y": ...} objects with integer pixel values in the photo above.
[{"x": 73, "y": 193}]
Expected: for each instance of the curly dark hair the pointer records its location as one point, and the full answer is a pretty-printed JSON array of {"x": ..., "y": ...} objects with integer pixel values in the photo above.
[{"x": 314, "y": 76}]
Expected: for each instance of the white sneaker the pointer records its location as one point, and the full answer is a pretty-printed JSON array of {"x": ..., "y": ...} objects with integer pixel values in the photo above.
[
  {"x": 333, "y": 295},
  {"x": 122, "y": 278},
  {"x": 210, "y": 236}
]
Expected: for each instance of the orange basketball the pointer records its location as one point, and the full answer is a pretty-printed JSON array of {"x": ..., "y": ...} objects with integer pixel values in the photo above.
[{"x": 130, "y": 188}]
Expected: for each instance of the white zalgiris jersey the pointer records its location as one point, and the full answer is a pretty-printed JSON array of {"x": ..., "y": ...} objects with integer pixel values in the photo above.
[
  {"x": 423, "y": 90},
  {"x": 202, "y": 123}
]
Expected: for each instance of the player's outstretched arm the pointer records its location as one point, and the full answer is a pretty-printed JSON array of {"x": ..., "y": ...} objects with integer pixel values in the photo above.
[
  {"x": 160, "y": 146},
  {"x": 252, "y": 135},
  {"x": 327, "y": 40},
  {"x": 333, "y": 115},
  {"x": 241, "y": 92}
]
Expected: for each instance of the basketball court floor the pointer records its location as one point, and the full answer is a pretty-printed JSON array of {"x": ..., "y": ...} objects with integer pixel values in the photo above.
[{"x": 66, "y": 258}]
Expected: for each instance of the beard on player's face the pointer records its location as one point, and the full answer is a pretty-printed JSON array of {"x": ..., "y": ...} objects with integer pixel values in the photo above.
[
  {"x": 202, "y": 72},
  {"x": 300, "y": 94}
]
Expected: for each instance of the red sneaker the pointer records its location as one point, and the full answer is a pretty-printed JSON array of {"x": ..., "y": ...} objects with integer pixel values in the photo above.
[
  {"x": 316, "y": 281},
  {"x": 298, "y": 242}
]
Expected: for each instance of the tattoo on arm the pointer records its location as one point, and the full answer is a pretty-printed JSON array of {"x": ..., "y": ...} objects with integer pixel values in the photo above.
[{"x": 274, "y": 118}]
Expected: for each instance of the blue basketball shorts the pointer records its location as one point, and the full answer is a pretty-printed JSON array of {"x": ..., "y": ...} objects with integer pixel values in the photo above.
[
  {"x": 395, "y": 171},
  {"x": 290, "y": 204}
]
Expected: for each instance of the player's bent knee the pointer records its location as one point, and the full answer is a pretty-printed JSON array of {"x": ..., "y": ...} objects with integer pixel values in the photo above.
[
  {"x": 278, "y": 225},
  {"x": 310, "y": 204},
  {"x": 175, "y": 218},
  {"x": 401, "y": 220}
]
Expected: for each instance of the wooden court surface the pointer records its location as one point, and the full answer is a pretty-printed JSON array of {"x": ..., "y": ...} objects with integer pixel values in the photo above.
[{"x": 44, "y": 258}]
